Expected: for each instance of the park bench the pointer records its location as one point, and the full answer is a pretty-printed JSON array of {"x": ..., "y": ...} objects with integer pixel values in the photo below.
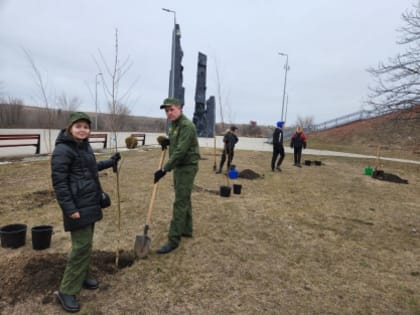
[
  {"x": 141, "y": 137},
  {"x": 22, "y": 139},
  {"x": 99, "y": 138}
]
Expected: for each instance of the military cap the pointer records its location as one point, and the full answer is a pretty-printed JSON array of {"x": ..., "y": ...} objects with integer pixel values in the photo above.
[
  {"x": 170, "y": 102},
  {"x": 76, "y": 116}
]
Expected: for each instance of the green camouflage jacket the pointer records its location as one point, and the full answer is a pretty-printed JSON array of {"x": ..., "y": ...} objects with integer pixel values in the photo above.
[{"x": 183, "y": 148}]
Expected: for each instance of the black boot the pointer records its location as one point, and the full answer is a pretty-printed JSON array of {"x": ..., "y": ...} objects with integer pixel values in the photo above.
[
  {"x": 90, "y": 284},
  {"x": 167, "y": 248},
  {"x": 68, "y": 302}
]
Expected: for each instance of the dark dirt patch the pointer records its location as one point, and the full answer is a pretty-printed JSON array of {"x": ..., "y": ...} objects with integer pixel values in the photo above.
[
  {"x": 249, "y": 174},
  {"x": 379, "y": 174},
  {"x": 28, "y": 275},
  {"x": 197, "y": 188},
  {"x": 38, "y": 198}
]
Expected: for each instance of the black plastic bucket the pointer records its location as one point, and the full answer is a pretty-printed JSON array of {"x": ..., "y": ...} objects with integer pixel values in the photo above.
[
  {"x": 237, "y": 188},
  {"x": 308, "y": 162},
  {"x": 41, "y": 236},
  {"x": 225, "y": 191},
  {"x": 13, "y": 235},
  {"x": 318, "y": 163}
]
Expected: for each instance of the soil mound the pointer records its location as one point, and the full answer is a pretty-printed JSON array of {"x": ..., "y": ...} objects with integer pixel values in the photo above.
[
  {"x": 379, "y": 174},
  {"x": 29, "y": 275},
  {"x": 249, "y": 174}
]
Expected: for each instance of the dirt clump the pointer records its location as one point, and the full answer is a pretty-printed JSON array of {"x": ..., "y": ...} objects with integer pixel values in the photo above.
[
  {"x": 249, "y": 174},
  {"x": 38, "y": 198},
  {"x": 30, "y": 275}
]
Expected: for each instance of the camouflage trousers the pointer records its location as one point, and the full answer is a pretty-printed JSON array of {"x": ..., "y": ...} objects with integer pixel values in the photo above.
[
  {"x": 77, "y": 267},
  {"x": 181, "y": 222}
]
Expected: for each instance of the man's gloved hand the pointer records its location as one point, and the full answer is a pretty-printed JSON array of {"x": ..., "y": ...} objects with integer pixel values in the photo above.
[
  {"x": 304, "y": 145},
  {"x": 116, "y": 156},
  {"x": 159, "y": 174},
  {"x": 163, "y": 141}
]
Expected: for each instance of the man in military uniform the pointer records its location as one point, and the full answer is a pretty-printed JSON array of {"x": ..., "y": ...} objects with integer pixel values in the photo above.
[{"x": 183, "y": 160}]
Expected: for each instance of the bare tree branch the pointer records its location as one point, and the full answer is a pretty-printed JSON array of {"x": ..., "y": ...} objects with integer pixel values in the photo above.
[{"x": 397, "y": 82}]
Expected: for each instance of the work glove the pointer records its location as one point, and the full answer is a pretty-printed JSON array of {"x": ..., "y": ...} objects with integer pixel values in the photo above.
[
  {"x": 159, "y": 174},
  {"x": 304, "y": 145},
  {"x": 115, "y": 158},
  {"x": 163, "y": 141}
]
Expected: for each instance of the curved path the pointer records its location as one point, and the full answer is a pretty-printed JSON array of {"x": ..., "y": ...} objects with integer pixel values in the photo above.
[{"x": 245, "y": 143}]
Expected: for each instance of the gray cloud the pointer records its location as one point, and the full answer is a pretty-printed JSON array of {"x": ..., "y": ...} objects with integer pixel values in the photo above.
[{"x": 329, "y": 43}]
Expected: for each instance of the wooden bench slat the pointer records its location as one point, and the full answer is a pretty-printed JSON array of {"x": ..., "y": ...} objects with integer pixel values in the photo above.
[
  {"x": 141, "y": 137},
  {"x": 102, "y": 136},
  {"x": 11, "y": 137}
]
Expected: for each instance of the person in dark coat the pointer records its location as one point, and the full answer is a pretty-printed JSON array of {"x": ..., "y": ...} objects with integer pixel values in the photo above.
[
  {"x": 298, "y": 142},
  {"x": 74, "y": 172},
  {"x": 278, "y": 148},
  {"x": 229, "y": 139}
]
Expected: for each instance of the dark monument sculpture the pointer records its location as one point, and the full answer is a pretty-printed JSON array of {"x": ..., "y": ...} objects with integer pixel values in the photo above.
[
  {"x": 176, "y": 89},
  {"x": 204, "y": 113},
  {"x": 211, "y": 116}
]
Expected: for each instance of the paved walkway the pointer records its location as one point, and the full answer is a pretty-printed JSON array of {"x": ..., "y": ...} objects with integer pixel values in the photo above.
[
  {"x": 254, "y": 144},
  {"x": 259, "y": 144}
]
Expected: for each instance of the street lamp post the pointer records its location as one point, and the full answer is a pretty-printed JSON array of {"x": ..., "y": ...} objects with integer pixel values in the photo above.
[
  {"x": 172, "y": 78},
  {"x": 286, "y": 68},
  {"x": 96, "y": 99}
]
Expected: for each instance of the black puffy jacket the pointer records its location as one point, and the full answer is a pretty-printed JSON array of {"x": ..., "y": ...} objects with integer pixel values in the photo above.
[
  {"x": 278, "y": 137},
  {"x": 74, "y": 172}
]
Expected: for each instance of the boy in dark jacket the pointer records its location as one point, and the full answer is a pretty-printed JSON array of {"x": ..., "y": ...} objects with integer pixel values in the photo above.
[
  {"x": 298, "y": 142},
  {"x": 278, "y": 148},
  {"x": 229, "y": 139},
  {"x": 74, "y": 172}
]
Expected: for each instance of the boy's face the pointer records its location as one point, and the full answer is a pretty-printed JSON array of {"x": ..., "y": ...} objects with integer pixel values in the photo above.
[{"x": 80, "y": 130}]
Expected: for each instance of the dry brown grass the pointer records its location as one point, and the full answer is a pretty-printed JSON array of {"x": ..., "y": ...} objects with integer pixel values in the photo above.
[
  {"x": 317, "y": 240},
  {"x": 397, "y": 135}
]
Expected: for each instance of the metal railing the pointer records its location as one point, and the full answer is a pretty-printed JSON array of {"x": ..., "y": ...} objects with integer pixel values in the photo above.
[{"x": 343, "y": 120}]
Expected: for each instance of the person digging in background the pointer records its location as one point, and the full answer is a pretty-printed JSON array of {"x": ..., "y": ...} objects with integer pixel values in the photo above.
[
  {"x": 229, "y": 139},
  {"x": 74, "y": 172},
  {"x": 183, "y": 160},
  {"x": 298, "y": 142},
  {"x": 278, "y": 148}
]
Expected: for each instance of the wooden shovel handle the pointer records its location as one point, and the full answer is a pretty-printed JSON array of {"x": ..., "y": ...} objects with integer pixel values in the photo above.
[
  {"x": 214, "y": 149},
  {"x": 155, "y": 186}
]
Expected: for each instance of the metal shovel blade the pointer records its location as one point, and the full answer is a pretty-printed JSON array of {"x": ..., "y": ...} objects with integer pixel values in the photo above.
[{"x": 141, "y": 246}]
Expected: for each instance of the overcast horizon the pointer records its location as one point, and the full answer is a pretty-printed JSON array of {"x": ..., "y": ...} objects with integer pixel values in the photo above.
[{"x": 329, "y": 45}]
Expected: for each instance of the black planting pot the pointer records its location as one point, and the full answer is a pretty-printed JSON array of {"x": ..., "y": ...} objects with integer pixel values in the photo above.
[
  {"x": 318, "y": 163},
  {"x": 41, "y": 236},
  {"x": 237, "y": 188},
  {"x": 308, "y": 162},
  {"x": 225, "y": 191},
  {"x": 13, "y": 235}
]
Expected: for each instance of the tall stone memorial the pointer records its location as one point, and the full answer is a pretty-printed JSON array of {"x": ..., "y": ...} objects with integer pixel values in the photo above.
[
  {"x": 176, "y": 89},
  {"x": 204, "y": 113}
]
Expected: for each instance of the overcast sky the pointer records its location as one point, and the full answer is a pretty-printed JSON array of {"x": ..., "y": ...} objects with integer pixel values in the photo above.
[{"x": 330, "y": 44}]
